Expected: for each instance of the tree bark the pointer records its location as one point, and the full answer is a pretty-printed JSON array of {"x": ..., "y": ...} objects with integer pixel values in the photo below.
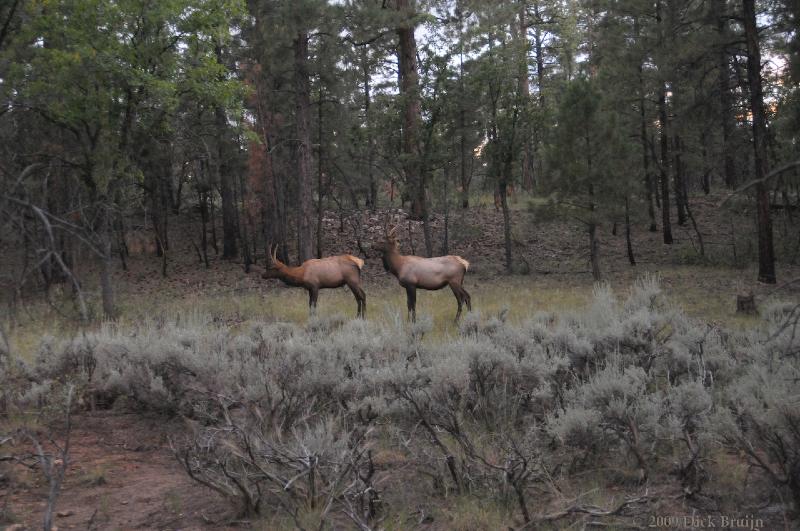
[
  {"x": 766, "y": 251},
  {"x": 303, "y": 152},
  {"x": 539, "y": 47},
  {"x": 502, "y": 186},
  {"x": 525, "y": 94},
  {"x": 244, "y": 235},
  {"x": 4, "y": 29},
  {"x": 203, "y": 202},
  {"x": 412, "y": 113},
  {"x": 679, "y": 181},
  {"x": 466, "y": 176},
  {"x": 106, "y": 284},
  {"x": 665, "y": 206},
  {"x": 628, "y": 242},
  {"x": 230, "y": 231},
  {"x": 594, "y": 244},
  {"x": 663, "y": 118},
  {"x": 594, "y": 252},
  {"x": 372, "y": 196},
  {"x": 320, "y": 172},
  {"x": 648, "y": 177},
  {"x": 725, "y": 107}
]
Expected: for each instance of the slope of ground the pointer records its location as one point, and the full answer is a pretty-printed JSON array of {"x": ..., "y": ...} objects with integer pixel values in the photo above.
[{"x": 123, "y": 474}]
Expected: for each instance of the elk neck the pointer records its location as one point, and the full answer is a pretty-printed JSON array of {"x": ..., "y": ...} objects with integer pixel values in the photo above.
[
  {"x": 392, "y": 260},
  {"x": 291, "y": 276}
]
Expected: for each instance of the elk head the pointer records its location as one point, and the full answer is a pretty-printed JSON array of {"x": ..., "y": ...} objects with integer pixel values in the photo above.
[
  {"x": 274, "y": 266},
  {"x": 389, "y": 244}
]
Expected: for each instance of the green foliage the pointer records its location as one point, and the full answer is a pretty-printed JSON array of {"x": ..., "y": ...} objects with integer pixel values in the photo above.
[
  {"x": 102, "y": 70},
  {"x": 590, "y": 155}
]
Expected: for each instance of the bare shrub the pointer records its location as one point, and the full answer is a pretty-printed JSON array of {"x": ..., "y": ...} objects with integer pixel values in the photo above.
[
  {"x": 312, "y": 467},
  {"x": 286, "y": 416},
  {"x": 689, "y": 406},
  {"x": 760, "y": 417}
]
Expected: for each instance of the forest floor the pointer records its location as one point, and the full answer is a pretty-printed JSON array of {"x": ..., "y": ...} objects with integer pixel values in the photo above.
[
  {"x": 122, "y": 473},
  {"x": 551, "y": 267}
]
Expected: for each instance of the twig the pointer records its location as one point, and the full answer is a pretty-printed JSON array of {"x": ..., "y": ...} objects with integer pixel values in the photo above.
[
  {"x": 764, "y": 179},
  {"x": 590, "y": 510},
  {"x": 53, "y": 469}
]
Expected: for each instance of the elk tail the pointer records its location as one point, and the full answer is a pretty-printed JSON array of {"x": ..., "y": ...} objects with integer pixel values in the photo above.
[
  {"x": 356, "y": 260},
  {"x": 463, "y": 262}
]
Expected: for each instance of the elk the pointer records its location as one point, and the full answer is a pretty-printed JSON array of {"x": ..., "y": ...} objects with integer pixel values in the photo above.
[
  {"x": 424, "y": 273},
  {"x": 317, "y": 274}
]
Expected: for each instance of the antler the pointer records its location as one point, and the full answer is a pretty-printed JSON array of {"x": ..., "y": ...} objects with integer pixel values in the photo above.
[
  {"x": 273, "y": 253},
  {"x": 392, "y": 231}
]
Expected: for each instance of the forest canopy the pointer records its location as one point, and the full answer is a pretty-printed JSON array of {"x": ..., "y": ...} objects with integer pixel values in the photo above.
[{"x": 118, "y": 116}]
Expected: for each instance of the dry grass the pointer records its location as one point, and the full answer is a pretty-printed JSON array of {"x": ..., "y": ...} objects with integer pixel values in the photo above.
[
  {"x": 703, "y": 292},
  {"x": 470, "y": 514}
]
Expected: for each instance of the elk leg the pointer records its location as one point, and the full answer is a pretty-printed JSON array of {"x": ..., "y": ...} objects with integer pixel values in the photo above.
[
  {"x": 313, "y": 295},
  {"x": 411, "y": 294},
  {"x": 459, "y": 294},
  {"x": 467, "y": 299},
  {"x": 361, "y": 299}
]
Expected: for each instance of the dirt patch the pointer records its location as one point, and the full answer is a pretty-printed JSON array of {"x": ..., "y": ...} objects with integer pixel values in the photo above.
[{"x": 122, "y": 475}]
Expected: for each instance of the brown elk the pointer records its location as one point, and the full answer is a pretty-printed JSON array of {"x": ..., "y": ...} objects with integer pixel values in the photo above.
[
  {"x": 424, "y": 273},
  {"x": 317, "y": 274}
]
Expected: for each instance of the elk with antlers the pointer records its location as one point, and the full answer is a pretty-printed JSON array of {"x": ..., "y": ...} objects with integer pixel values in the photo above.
[
  {"x": 425, "y": 273},
  {"x": 317, "y": 274}
]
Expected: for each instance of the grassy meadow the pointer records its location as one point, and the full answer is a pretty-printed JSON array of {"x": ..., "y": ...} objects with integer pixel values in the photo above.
[{"x": 703, "y": 292}]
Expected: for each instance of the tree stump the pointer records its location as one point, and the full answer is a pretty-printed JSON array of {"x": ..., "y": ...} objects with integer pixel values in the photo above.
[{"x": 746, "y": 304}]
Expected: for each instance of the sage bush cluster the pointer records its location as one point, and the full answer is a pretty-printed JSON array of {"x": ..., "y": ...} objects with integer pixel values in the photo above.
[{"x": 287, "y": 418}]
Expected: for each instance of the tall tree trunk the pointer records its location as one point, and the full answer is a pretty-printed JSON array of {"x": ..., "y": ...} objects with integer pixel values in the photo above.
[
  {"x": 213, "y": 223},
  {"x": 766, "y": 251},
  {"x": 524, "y": 95},
  {"x": 628, "y": 242},
  {"x": 446, "y": 202},
  {"x": 706, "y": 180},
  {"x": 372, "y": 197},
  {"x": 648, "y": 176},
  {"x": 4, "y": 29},
  {"x": 320, "y": 172},
  {"x": 466, "y": 176},
  {"x": 725, "y": 106},
  {"x": 245, "y": 236},
  {"x": 502, "y": 188},
  {"x": 274, "y": 221},
  {"x": 679, "y": 181},
  {"x": 230, "y": 231},
  {"x": 664, "y": 170},
  {"x": 203, "y": 201},
  {"x": 415, "y": 174},
  {"x": 594, "y": 243},
  {"x": 663, "y": 118},
  {"x": 412, "y": 114},
  {"x": 538, "y": 45},
  {"x": 305, "y": 238},
  {"x": 594, "y": 252},
  {"x": 106, "y": 284}
]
